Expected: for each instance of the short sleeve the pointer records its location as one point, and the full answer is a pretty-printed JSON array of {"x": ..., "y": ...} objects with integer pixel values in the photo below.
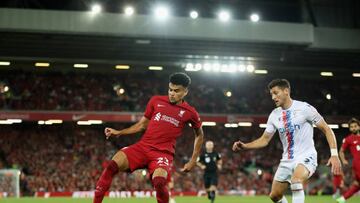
[
  {"x": 195, "y": 120},
  {"x": 311, "y": 114},
  {"x": 149, "y": 108},
  {"x": 200, "y": 159},
  {"x": 270, "y": 127},
  {"x": 345, "y": 144},
  {"x": 218, "y": 157}
]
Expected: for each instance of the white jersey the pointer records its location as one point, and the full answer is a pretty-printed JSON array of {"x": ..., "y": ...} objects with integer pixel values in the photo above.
[{"x": 295, "y": 127}]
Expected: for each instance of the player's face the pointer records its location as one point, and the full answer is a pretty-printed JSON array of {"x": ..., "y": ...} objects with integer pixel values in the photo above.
[
  {"x": 209, "y": 146},
  {"x": 279, "y": 95},
  {"x": 177, "y": 93},
  {"x": 354, "y": 128}
]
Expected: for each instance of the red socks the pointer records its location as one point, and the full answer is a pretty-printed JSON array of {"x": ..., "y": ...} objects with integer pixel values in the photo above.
[
  {"x": 104, "y": 182},
  {"x": 162, "y": 193},
  {"x": 353, "y": 189}
]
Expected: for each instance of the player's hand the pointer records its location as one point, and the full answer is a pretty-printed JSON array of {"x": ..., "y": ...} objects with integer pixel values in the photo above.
[
  {"x": 109, "y": 132},
  {"x": 334, "y": 161},
  {"x": 345, "y": 162},
  {"x": 203, "y": 167},
  {"x": 188, "y": 166},
  {"x": 238, "y": 146}
]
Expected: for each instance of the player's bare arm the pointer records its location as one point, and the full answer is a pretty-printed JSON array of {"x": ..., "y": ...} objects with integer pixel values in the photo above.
[
  {"x": 137, "y": 127},
  {"x": 199, "y": 139},
  {"x": 219, "y": 164},
  {"x": 334, "y": 160},
  {"x": 258, "y": 143},
  {"x": 202, "y": 166},
  {"x": 342, "y": 157}
]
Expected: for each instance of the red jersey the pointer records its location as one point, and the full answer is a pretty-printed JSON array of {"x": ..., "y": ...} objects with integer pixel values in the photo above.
[
  {"x": 352, "y": 142},
  {"x": 167, "y": 122}
]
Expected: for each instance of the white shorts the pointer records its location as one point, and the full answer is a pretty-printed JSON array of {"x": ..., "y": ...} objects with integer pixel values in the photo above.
[{"x": 286, "y": 168}]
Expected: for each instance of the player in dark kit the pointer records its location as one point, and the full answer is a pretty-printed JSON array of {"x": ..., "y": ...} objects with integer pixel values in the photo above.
[
  {"x": 163, "y": 121},
  {"x": 210, "y": 162},
  {"x": 352, "y": 142}
]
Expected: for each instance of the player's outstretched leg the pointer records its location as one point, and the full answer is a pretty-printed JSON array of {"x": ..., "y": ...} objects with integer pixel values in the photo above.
[
  {"x": 277, "y": 191},
  {"x": 350, "y": 192},
  {"x": 118, "y": 163},
  {"x": 160, "y": 184},
  {"x": 300, "y": 175}
]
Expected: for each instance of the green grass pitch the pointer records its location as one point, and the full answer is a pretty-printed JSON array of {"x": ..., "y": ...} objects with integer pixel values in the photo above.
[{"x": 221, "y": 199}]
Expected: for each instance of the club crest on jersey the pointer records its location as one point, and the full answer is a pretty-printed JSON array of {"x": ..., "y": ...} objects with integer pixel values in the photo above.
[{"x": 181, "y": 113}]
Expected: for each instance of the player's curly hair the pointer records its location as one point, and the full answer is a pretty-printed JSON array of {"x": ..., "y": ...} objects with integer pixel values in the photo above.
[
  {"x": 354, "y": 120},
  {"x": 282, "y": 83},
  {"x": 180, "y": 79}
]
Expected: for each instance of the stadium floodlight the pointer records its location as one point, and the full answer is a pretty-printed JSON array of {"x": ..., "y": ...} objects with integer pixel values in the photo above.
[
  {"x": 345, "y": 125},
  {"x": 6, "y": 89},
  {"x": 189, "y": 67},
  {"x": 162, "y": 12},
  {"x": 327, "y": 74},
  {"x": 224, "y": 16},
  {"x": 334, "y": 126},
  {"x": 54, "y": 121},
  {"x": 245, "y": 124},
  {"x": 207, "y": 67},
  {"x": 250, "y": 68},
  {"x": 122, "y": 67},
  {"x": 262, "y": 125},
  {"x": 242, "y": 68},
  {"x": 198, "y": 66},
  {"x": 228, "y": 93},
  {"x": 83, "y": 123},
  {"x": 208, "y": 123},
  {"x": 14, "y": 120},
  {"x": 328, "y": 96},
  {"x": 356, "y": 75},
  {"x": 4, "y": 63},
  {"x": 121, "y": 91},
  {"x": 155, "y": 68},
  {"x": 42, "y": 64},
  {"x": 5, "y": 122},
  {"x": 96, "y": 8},
  {"x": 260, "y": 71},
  {"x": 216, "y": 67},
  {"x": 41, "y": 122},
  {"x": 79, "y": 65},
  {"x": 194, "y": 14},
  {"x": 129, "y": 11},
  {"x": 231, "y": 125},
  {"x": 96, "y": 122},
  {"x": 254, "y": 17}
]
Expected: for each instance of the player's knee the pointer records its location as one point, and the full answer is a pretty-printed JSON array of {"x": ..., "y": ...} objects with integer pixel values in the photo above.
[
  {"x": 275, "y": 197},
  {"x": 159, "y": 183}
]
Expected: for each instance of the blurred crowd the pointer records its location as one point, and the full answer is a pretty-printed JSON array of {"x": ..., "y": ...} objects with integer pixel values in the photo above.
[
  {"x": 131, "y": 91},
  {"x": 67, "y": 157}
]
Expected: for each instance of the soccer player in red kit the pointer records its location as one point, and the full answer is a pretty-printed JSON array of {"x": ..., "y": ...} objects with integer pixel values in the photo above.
[
  {"x": 352, "y": 142},
  {"x": 163, "y": 121}
]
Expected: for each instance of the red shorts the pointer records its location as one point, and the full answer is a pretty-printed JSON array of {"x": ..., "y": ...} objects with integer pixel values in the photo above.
[{"x": 143, "y": 157}]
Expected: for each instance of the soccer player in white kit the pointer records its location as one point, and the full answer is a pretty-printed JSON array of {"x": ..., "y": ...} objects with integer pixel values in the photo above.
[{"x": 294, "y": 121}]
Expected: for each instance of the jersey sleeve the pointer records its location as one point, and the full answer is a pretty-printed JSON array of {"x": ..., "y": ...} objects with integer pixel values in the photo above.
[
  {"x": 311, "y": 114},
  {"x": 149, "y": 108},
  {"x": 345, "y": 144},
  {"x": 270, "y": 127},
  {"x": 195, "y": 120},
  {"x": 201, "y": 159},
  {"x": 218, "y": 156}
]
